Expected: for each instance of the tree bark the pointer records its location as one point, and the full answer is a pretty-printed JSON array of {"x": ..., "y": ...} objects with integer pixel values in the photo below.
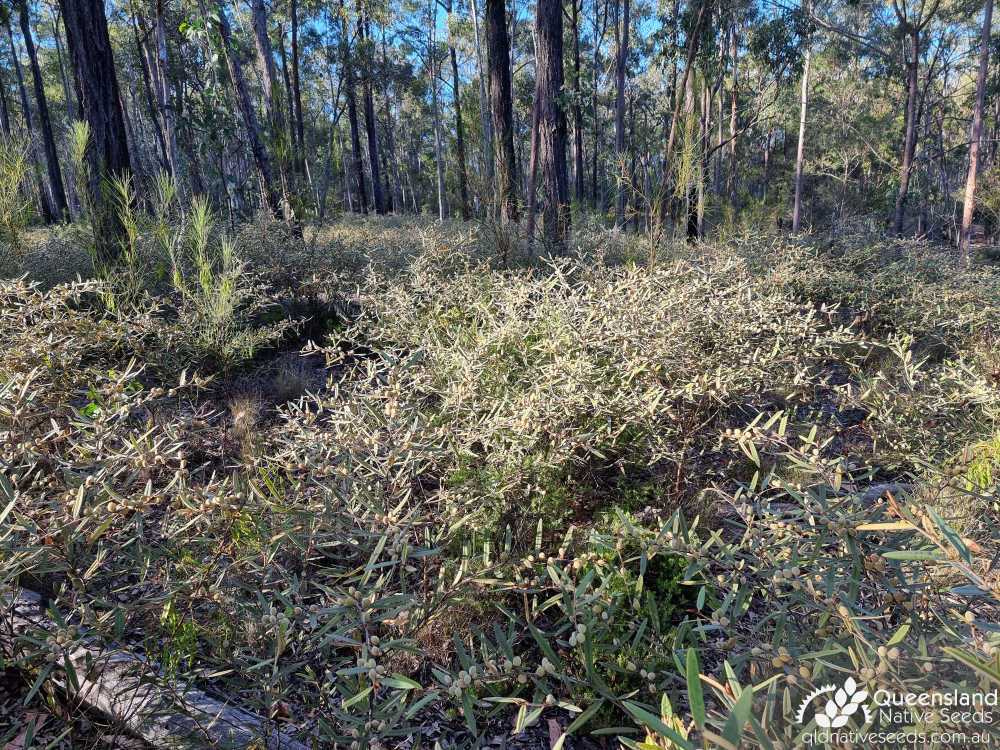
[
  {"x": 463, "y": 174},
  {"x": 300, "y": 141},
  {"x": 59, "y": 207},
  {"x": 912, "y": 64},
  {"x": 800, "y": 152},
  {"x": 621, "y": 36},
  {"x": 435, "y": 110},
  {"x": 668, "y": 150},
  {"x": 531, "y": 209},
  {"x": 501, "y": 108},
  {"x": 108, "y": 157},
  {"x": 262, "y": 159},
  {"x": 552, "y": 125},
  {"x": 29, "y": 122},
  {"x": 265, "y": 60},
  {"x": 483, "y": 108},
  {"x": 975, "y": 133},
  {"x": 370, "y": 123},
  {"x": 357, "y": 164},
  {"x": 577, "y": 107},
  {"x": 4, "y": 111}
]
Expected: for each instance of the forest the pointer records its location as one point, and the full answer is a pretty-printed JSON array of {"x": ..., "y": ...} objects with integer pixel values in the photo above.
[{"x": 567, "y": 374}]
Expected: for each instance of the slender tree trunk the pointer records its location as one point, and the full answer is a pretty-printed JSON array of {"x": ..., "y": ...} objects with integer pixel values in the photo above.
[
  {"x": 293, "y": 142},
  {"x": 577, "y": 106},
  {"x": 44, "y": 198},
  {"x": 261, "y": 157},
  {"x": 4, "y": 111},
  {"x": 552, "y": 124},
  {"x": 300, "y": 140},
  {"x": 532, "y": 208},
  {"x": 975, "y": 133},
  {"x": 398, "y": 198},
  {"x": 59, "y": 206},
  {"x": 94, "y": 67},
  {"x": 265, "y": 61},
  {"x": 668, "y": 151},
  {"x": 733, "y": 95},
  {"x": 767, "y": 164},
  {"x": 147, "y": 69},
  {"x": 370, "y": 123},
  {"x": 621, "y": 37},
  {"x": 438, "y": 149},
  {"x": 598, "y": 202},
  {"x": 67, "y": 89},
  {"x": 463, "y": 175},
  {"x": 501, "y": 107},
  {"x": 483, "y": 108},
  {"x": 800, "y": 153},
  {"x": 357, "y": 164},
  {"x": 272, "y": 98},
  {"x": 912, "y": 65},
  {"x": 163, "y": 88}
]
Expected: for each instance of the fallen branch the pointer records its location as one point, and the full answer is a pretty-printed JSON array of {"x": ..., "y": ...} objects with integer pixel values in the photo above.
[{"x": 133, "y": 692}]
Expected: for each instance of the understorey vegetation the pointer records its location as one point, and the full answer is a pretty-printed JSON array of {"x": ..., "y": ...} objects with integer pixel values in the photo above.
[{"x": 383, "y": 489}]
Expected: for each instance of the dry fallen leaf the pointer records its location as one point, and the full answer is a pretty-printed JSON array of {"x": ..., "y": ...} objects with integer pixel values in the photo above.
[
  {"x": 555, "y": 732},
  {"x": 35, "y": 721}
]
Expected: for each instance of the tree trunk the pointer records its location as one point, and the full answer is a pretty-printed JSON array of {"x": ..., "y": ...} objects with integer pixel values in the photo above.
[
  {"x": 800, "y": 152},
  {"x": 94, "y": 67},
  {"x": 501, "y": 108},
  {"x": 668, "y": 150},
  {"x": 398, "y": 198},
  {"x": 909, "y": 142},
  {"x": 532, "y": 207},
  {"x": 29, "y": 122},
  {"x": 975, "y": 133},
  {"x": 357, "y": 165},
  {"x": 767, "y": 164},
  {"x": 4, "y": 111},
  {"x": 621, "y": 37},
  {"x": 577, "y": 107},
  {"x": 552, "y": 124},
  {"x": 370, "y": 129},
  {"x": 438, "y": 150},
  {"x": 265, "y": 60},
  {"x": 59, "y": 207},
  {"x": 463, "y": 175},
  {"x": 262, "y": 159},
  {"x": 300, "y": 141},
  {"x": 67, "y": 89},
  {"x": 483, "y": 108},
  {"x": 272, "y": 99}
]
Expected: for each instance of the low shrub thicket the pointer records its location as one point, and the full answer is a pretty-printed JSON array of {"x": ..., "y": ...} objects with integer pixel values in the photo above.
[{"x": 662, "y": 505}]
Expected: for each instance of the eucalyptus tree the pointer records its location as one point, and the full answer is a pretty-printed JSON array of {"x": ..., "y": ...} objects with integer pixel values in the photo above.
[{"x": 100, "y": 99}]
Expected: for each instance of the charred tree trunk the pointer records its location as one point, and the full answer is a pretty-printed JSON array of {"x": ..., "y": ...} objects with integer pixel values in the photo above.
[
  {"x": 108, "y": 157},
  {"x": 577, "y": 107},
  {"x": 300, "y": 140},
  {"x": 621, "y": 36},
  {"x": 501, "y": 108},
  {"x": 463, "y": 175},
  {"x": 60, "y": 209},
  {"x": 552, "y": 125},
  {"x": 357, "y": 165},
  {"x": 29, "y": 124}
]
